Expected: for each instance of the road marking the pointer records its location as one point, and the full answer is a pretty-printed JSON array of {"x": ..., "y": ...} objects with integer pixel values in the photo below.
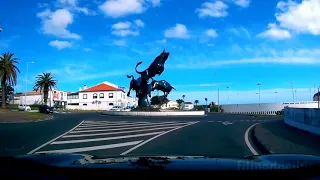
[
  {"x": 107, "y": 124},
  {"x": 92, "y": 148},
  {"x": 110, "y": 123},
  {"x": 227, "y": 123},
  {"x": 36, "y": 149},
  {"x": 121, "y": 132},
  {"x": 246, "y": 138},
  {"x": 105, "y": 139},
  {"x": 146, "y": 141},
  {"x": 210, "y": 121},
  {"x": 219, "y": 121},
  {"x": 112, "y": 126},
  {"x": 101, "y": 130},
  {"x": 241, "y": 120}
]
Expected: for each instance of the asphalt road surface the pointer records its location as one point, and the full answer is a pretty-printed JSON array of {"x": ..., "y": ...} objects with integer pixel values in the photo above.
[{"x": 218, "y": 135}]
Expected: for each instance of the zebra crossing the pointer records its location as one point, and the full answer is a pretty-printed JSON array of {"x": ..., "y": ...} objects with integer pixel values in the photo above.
[
  {"x": 108, "y": 137},
  {"x": 239, "y": 121}
]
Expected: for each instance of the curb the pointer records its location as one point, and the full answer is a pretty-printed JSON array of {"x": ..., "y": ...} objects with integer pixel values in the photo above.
[
  {"x": 48, "y": 119},
  {"x": 262, "y": 148}
]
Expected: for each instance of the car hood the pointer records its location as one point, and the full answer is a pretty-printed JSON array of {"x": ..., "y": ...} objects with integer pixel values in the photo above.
[{"x": 275, "y": 161}]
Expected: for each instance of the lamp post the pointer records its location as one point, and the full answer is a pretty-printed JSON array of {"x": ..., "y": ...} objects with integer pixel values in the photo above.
[
  {"x": 259, "y": 84},
  {"x": 292, "y": 91},
  {"x": 310, "y": 94},
  {"x": 228, "y": 93},
  {"x": 276, "y": 96},
  {"x": 218, "y": 93},
  {"x": 25, "y": 94},
  {"x": 295, "y": 95}
]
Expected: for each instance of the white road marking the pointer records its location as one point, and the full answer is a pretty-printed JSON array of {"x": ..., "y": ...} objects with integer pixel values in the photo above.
[
  {"x": 121, "y": 132},
  {"x": 227, "y": 123},
  {"x": 36, "y": 149},
  {"x": 117, "y": 129},
  {"x": 116, "y": 126},
  {"x": 106, "y": 124},
  {"x": 139, "y": 145},
  {"x": 92, "y": 148},
  {"x": 105, "y": 139},
  {"x": 246, "y": 138},
  {"x": 110, "y": 123},
  {"x": 219, "y": 121}
]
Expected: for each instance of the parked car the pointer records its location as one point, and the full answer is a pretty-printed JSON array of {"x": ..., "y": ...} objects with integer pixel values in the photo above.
[
  {"x": 116, "y": 108},
  {"x": 45, "y": 109},
  {"x": 23, "y": 107},
  {"x": 127, "y": 108}
]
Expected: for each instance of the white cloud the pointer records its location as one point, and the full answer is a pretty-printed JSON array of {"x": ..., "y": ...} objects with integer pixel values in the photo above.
[
  {"x": 242, "y": 3},
  {"x": 236, "y": 48},
  {"x": 120, "y": 43},
  {"x": 178, "y": 31},
  {"x": 60, "y": 44},
  {"x": 211, "y": 33},
  {"x": 213, "y": 9},
  {"x": 56, "y": 23},
  {"x": 289, "y": 56},
  {"x": 87, "y": 49},
  {"x": 122, "y": 25},
  {"x": 240, "y": 32},
  {"x": 139, "y": 23},
  {"x": 162, "y": 41},
  {"x": 276, "y": 33},
  {"x": 155, "y": 2},
  {"x": 72, "y": 5},
  {"x": 126, "y": 29},
  {"x": 120, "y": 8},
  {"x": 300, "y": 18}
]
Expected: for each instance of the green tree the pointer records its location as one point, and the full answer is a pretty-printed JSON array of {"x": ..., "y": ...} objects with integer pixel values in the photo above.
[
  {"x": 155, "y": 100},
  {"x": 9, "y": 91},
  {"x": 45, "y": 82},
  {"x": 196, "y": 102},
  {"x": 8, "y": 73},
  {"x": 183, "y": 96}
]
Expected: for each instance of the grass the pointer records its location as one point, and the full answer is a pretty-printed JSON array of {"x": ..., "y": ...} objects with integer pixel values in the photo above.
[
  {"x": 34, "y": 116},
  {"x": 21, "y": 116}
]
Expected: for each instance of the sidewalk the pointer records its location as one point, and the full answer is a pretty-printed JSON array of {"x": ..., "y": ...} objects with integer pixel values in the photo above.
[{"x": 278, "y": 137}]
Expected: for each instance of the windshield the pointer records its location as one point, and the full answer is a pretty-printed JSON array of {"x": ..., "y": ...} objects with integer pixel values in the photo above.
[{"x": 222, "y": 78}]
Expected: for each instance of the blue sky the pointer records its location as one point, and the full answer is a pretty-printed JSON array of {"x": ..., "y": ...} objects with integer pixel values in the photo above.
[{"x": 243, "y": 42}]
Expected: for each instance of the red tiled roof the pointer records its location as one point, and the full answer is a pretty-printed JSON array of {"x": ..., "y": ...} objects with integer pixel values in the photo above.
[{"x": 100, "y": 87}]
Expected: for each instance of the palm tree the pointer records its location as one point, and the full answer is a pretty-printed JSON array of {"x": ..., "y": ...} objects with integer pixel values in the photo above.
[
  {"x": 196, "y": 102},
  {"x": 206, "y": 99},
  {"x": 183, "y": 96},
  {"x": 45, "y": 82},
  {"x": 8, "y": 73}
]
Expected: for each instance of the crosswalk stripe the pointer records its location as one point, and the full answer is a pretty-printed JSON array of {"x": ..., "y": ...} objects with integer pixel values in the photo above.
[
  {"x": 111, "y": 123},
  {"x": 105, "y": 139},
  {"x": 121, "y": 132},
  {"x": 115, "y": 126},
  {"x": 117, "y": 129},
  {"x": 104, "y": 124},
  {"x": 92, "y": 148}
]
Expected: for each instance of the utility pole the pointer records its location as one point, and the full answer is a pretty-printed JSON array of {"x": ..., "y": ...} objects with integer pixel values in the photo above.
[
  {"x": 25, "y": 94},
  {"x": 228, "y": 93},
  {"x": 218, "y": 93},
  {"x": 276, "y": 96},
  {"x": 259, "y": 84}
]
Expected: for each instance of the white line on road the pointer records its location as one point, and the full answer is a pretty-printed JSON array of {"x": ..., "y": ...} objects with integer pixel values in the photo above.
[
  {"x": 105, "y": 139},
  {"x": 118, "y": 129},
  {"x": 246, "y": 138},
  {"x": 36, "y": 149},
  {"x": 116, "y": 126},
  {"x": 92, "y": 148},
  {"x": 146, "y": 141},
  {"x": 110, "y": 123},
  {"x": 107, "y": 124},
  {"x": 121, "y": 132}
]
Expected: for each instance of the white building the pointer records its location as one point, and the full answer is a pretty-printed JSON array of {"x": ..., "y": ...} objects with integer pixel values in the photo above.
[
  {"x": 170, "y": 105},
  {"x": 102, "y": 96},
  {"x": 55, "y": 98},
  {"x": 187, "y": 105}
]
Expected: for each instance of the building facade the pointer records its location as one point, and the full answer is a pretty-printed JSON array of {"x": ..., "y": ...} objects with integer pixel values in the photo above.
[
  {"x": 102, "y": 96},
  {"x": 56, "y": 98}
]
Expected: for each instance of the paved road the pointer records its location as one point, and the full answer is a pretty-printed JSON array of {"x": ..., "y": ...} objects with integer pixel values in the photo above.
[{"x": 93, "y": 133}]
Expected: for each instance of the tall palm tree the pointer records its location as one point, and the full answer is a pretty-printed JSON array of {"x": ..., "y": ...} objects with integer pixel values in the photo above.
[
  {"x": 45, "y": 82},
  {"x": 183, "y": 96},
  {"x": 8, "y": 73},
  {"x": 196, "y": 102},
  {"x": 206, "y": 99}
]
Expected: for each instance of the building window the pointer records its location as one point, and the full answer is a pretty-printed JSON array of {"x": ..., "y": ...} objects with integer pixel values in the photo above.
[
  {"x": 110, "y": 104},
  {"x": 84, "y": 104},
  {"x": 85, "y": 96},
  {"x": 101, "y": 95},
  {"x": 95, "y": 96},
  {"x": 110, "y": 95}
]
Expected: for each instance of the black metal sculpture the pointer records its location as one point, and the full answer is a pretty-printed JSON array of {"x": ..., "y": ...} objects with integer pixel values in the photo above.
[{"x": 141, "y": 86}]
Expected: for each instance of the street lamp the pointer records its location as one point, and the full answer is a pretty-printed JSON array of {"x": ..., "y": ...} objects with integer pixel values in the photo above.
[
  {"x": 25, "y": 94},
  {"x": 259, "y": 84},
  {"x": 257, "y": 94},
  {"x": 228, "y": 93},
  {"x": 276, "y": 96},
  {"x": 292, "y": 91},
  {"x": 295, "y": 94},
  {"x": 218, "y": 92},
  {"x": 310, "y": 94}
]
